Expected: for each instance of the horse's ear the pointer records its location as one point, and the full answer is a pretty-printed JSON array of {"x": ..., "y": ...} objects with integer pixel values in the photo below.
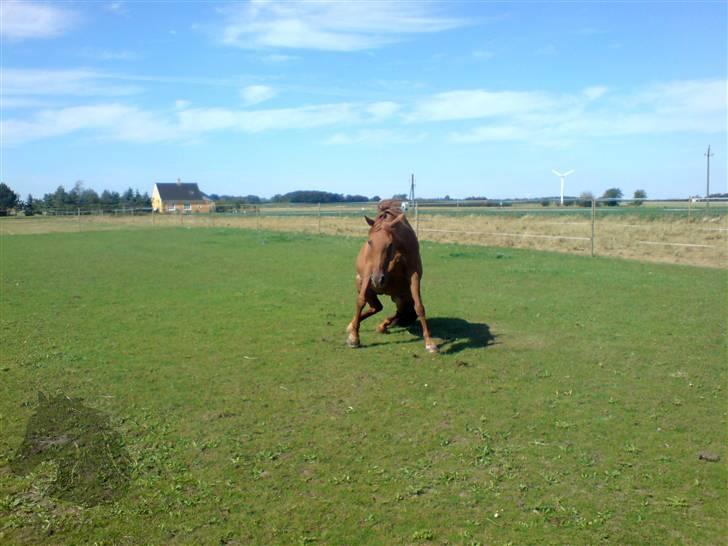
[
  {"x": 369, "y": 220},
  {"x": 42, "y": 397}
]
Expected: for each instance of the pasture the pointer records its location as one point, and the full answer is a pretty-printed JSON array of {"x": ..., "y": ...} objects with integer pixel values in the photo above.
[
  {"x": 676, "y": 233},
  {"x": 569, "y": 403}
]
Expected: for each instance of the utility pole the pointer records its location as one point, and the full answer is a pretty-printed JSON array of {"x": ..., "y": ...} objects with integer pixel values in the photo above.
[
  {"x": 708, "y": 155},
  {"x": 412, "y": 190}
]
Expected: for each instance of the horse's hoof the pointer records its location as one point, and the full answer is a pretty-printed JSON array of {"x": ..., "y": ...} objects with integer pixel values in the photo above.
[
  {"x": 353, "y": 343},
  {"x": 382, "y": 329},
  {"x": 432, "y": 348}
]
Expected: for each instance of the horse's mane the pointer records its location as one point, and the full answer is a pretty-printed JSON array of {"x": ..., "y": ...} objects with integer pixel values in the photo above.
[
  {"x": 394, "y": 205},
  {"x": 387, "y": 211}
]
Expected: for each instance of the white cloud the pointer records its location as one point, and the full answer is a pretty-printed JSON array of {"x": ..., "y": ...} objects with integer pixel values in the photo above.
[
  {"x": 26, "y": 20},
  {"x": 116, "y": 121},
  {"x": 116, "y": 7},
  {"x": 109, "y": 55},
  {"x": 255, "y": 94},
  {"x": 129, "y": 123},
  {"x": 22, "y": 84},
  {"x": 481, "y": 134},
  {"x": 697, "y": 96},
  {"x": 330, "y": 25},
  {"x": 376, "y": 137},
  {"x": 382, "y": 110},
  {"x": 253, "y": 121},
  {"x": 74, "y": 82},
  {"x": 698, "y": 106},
  {"x": 479, "y": 103},
  {"x": 21, "y": 102},
  {"x": 472, "y": 116},
  {"x": 594, "y": 92},
  {"x": 279, "y": 58},
  {"x": 483, "y": 54}
]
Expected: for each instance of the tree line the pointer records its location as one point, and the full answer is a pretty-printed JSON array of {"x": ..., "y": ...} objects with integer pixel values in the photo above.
[
  {"x": 313, "y": 196},
  {"x": 77, "y": 197},
  {"x": 298, "y": 196},
  {"x": 82, "y": 197}
]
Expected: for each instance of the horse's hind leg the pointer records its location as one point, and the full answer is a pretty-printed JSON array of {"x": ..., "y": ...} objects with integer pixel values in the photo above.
[
  {"x": 404, "y": 309},
  {"x": 387, "y": 323},
  {"x": 430, "y": 345}
]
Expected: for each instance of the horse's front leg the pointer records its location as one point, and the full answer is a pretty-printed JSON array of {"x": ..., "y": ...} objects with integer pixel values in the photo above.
[
  {"x": 364, "y": 296},
  {"x": 420, "y": 310}
]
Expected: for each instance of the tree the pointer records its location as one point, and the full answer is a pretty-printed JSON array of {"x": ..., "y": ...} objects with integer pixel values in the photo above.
[
  {"x": 59, "y": 198},
  {"x": 88, "y": 197},
  {"x": 8, "y": 199},
  {"x": 639, "y": 195},
  {"x": 128, "y": 197},
  {"x": 585, "y": 199},
  {"x": 110, "y": 198},
  {"x": 29, "y": 208},
  {"x": 74, "y": 196},
  {"x": 612, "y": 195}
]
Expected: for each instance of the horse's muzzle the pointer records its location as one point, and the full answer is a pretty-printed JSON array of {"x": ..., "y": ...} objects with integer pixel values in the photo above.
[{"x": 378, "y": 281}]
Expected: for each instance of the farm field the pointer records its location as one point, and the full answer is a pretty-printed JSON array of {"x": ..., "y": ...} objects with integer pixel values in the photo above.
[
  {"x": 571, "y": 402},
  {"x": 648, "y": 233}
]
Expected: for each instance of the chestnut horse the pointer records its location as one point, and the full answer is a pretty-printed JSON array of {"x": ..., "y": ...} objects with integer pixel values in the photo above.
[{"x": 389, "y": 263}]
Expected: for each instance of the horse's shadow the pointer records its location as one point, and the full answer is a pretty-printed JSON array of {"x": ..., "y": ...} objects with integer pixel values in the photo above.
[{"x": 457, "y": 334}]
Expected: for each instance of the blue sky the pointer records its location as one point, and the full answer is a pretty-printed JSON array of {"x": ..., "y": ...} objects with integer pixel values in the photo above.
[{"x": 265, "y": 97}]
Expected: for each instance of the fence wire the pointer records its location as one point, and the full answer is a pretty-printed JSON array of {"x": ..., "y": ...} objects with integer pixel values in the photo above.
[{"x": 688, "y": 232}]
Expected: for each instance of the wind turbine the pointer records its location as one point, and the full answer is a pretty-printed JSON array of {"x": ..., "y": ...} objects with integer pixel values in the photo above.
[{"x": 563, "y": 178}]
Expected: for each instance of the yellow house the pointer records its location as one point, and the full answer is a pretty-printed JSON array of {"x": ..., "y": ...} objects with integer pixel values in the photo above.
[{"x": 180, "y": 197}]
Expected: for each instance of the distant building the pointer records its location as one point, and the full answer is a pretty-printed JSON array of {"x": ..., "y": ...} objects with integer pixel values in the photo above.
[{"x": 180, "y": 197}]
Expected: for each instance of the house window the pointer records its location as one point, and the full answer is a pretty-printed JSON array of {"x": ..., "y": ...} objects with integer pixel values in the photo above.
[
  {"x": 170, "y": 208},
  {"x": 188, "y": 206}
]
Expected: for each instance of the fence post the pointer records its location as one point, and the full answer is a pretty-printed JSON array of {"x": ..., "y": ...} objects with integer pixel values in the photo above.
[
  {"x": 417, "y": 219},
  {"x": 78, "y": 218},
  {"x": 319, "y": 218},
  {"x": 257, "y": 218},
  {"x": 593, "y": 221}
]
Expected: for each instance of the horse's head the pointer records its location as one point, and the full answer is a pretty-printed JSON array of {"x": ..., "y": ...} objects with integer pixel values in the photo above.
[{"x": 382, "y": 250}]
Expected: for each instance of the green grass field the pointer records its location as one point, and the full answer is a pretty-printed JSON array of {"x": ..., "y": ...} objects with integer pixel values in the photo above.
[{"x": 569, "y": 404}]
